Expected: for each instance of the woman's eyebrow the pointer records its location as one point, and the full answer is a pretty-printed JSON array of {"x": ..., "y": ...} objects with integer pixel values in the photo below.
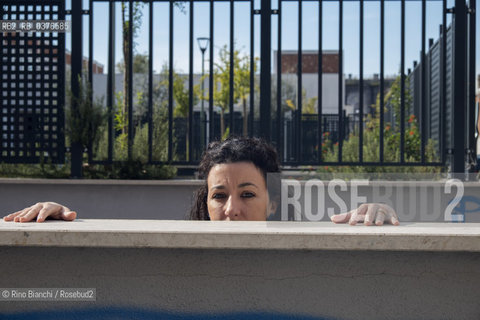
[
  {"x": 246, "y": 184},
  {"x": 241, "y": 185}
]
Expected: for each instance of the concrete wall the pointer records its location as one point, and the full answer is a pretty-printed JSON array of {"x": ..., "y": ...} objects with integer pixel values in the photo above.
[
  {"x": 135, "y": 282},
  {"x": 200, "y": 283},
  {"x": 103, "y": 199},
  {"x": 172, "y": 199}
]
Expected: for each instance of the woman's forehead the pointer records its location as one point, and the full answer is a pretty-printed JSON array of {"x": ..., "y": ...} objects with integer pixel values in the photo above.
[{"x": 225, "y": 172}]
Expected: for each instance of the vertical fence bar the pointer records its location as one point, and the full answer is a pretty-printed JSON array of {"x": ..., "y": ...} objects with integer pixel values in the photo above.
[
  {"x": 382, "y": 76},
  {"x": 471, "y": 82},
  {"x": 252, "y": 69},
  {"x": 111, "y": 77},
  {"x": 265, "y": 68},
  {"x": 320, "y": 81},
  {"x": 211, "y": 122},
  {"x": 443, "y": 78},
  {"x": 90, "y": 47},
  {"x": 190, "y": 88},
  {"x": 299, "y": 85},
  {"x": 77, "y": 49},
  {"x": 360, "y": 122},
  {"x": 232, "y": 67},
  {"x": 459, "y": 86},
  {"x": 280, "y": 146},
  {"x": 340, "y": 80},
  {"x": 130, "y": 79},
  {"x": 170, "y": 82},
  {"x": 150, "y": 80},
  {"x": 90, "y": 65},
  {"x": 423, "y": 106},
  {"x": 402, "y": 83}
]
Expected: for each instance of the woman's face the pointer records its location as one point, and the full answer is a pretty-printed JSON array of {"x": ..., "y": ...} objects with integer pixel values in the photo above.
[{"x": 237, "y": 191}]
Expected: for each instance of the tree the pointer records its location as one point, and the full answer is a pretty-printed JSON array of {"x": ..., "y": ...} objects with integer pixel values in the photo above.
[
  {"x": 136, "y": 21},
  {"x": 83, "y": 123},
  {"x": 242, "y": 86},
  {"x": 181, "y": 95},
  {"x": 288, "y": 92},
  {"x": 308, "y": 105},
  {"x": 221, "y": 83},
  {"x": 140, "y": 64}
]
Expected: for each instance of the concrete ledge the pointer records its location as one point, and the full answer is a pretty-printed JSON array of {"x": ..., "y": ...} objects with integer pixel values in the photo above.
[
  {"x": 154, "y": 269},
  {"x": 101, "y": 182},
  {"x": 448, "y": 237}
]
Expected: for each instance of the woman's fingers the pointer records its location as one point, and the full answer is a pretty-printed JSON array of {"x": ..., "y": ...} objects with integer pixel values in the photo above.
[
  {"x": 342, "y": 217},
  {"x": 358, "y": 215},
  {"x": 30, "y": 214},
  {"x": 380, "y": 218},
  {"x": 348, "y": 216},
  {"x": 41, "y": 211},
  {"x": 391, "y": 215},
  {"x": 47, "y": 210},
  {"x": 12, "y": 216},
  {"x": 69, "y": 215},
  {"x": 371, "y": 213},
  {"x": 56, "y": 211}
]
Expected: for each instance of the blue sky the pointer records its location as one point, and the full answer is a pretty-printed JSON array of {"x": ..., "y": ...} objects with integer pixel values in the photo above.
[{"x": 289, "y": 32}]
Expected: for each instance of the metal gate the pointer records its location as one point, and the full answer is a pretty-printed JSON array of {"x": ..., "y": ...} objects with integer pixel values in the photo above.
[{"x": 32, "y": 85}]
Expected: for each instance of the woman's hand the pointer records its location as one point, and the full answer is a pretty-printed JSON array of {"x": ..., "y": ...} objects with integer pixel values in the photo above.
[
  {"x": 40, "y": 211},
  {"x": 369, "y": 214}
]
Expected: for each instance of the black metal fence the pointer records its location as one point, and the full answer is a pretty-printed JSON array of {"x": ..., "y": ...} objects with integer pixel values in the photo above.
[
  {"x": 299, "y": 139},
  {"x": 32, "y": 85}
]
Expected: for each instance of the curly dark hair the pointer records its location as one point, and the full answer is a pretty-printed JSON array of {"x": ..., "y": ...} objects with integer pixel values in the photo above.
[{"x": 234, "y": 149}]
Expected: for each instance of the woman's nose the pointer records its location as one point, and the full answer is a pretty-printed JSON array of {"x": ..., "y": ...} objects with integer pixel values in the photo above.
[{"x": 233, "y": 208}]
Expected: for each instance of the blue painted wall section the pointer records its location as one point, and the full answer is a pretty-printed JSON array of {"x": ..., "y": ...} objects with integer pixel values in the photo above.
[{"x": 132, "y": 313}]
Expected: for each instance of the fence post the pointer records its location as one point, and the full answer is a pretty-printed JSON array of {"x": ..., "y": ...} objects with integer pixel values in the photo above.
[
  {"x": 265, "y": 68},
  {"x": 459, "y": 86},
  {"x": 471, "y": 142},
  {"x": 76, "y": 63}
]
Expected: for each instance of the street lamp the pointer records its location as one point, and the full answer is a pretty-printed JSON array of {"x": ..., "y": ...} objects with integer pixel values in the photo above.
[{"x": 203, "y": 45}]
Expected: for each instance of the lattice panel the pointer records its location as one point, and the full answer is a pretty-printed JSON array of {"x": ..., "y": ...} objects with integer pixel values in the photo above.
[{"x": 32, "y": 74}]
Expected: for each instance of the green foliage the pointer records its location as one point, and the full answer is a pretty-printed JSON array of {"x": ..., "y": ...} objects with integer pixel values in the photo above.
[
  {"x": 391, "y": 136},
  {"x": 126, "y": 20},
  {"x": 226, "y": 134},
  {"x": 137, "y": 167},
  {"x": 221, "y": 84},
  {"x": 288, "y": 93},
  {"x": 140, "y": 64},
  {"x": 241, "y": 83},
  {"x": 84, "y": 121},
  {"x": 42, "y": 170},
  {"x": 129, "y": 170},
  {"x": 181, "y": 94},
  {"x": 308, "y": 105}
]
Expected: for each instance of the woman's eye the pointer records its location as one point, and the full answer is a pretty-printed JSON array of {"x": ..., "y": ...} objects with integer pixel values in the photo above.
[
  {"x": 248, "y": 195},
  {"x": 218, "y": 196}
]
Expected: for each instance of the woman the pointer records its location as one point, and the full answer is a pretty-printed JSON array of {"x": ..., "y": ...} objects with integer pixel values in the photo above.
[{"x": 235, "y": 173}]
